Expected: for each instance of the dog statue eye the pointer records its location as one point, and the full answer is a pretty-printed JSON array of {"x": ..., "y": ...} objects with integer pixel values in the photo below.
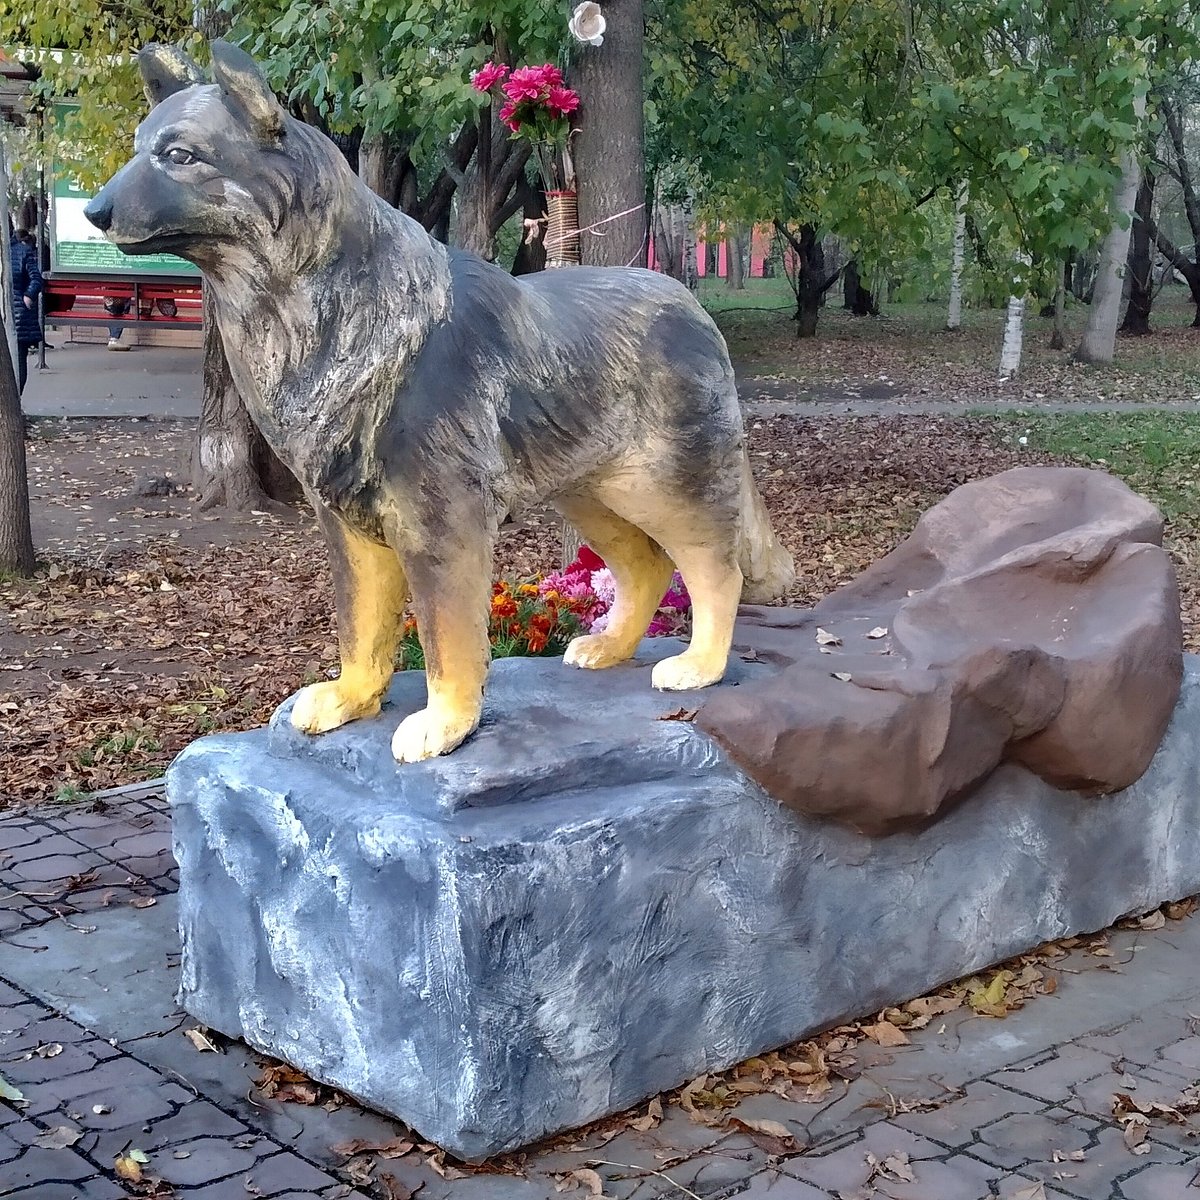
[{"x": 179, "y": 156}]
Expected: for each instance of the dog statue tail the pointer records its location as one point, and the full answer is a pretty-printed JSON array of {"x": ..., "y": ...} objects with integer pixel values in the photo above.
[{"x": 767, "y": 568}]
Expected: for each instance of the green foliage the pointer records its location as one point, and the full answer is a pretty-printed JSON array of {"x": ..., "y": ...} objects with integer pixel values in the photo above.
[
  {"x": 84, "y": 50},
  {"x": 863, "y": 118},
  {"x": 399, "y": 67},
  {"x": 377, "y": 66}
]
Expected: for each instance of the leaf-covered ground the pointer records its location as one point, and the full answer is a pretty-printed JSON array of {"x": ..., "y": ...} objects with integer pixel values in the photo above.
[
  {"x": 152, "y": 623},
  {"x": 907, "y": 352}
]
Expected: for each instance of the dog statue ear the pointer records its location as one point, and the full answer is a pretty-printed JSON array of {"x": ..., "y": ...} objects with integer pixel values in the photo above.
[
  {"x": 243, "y": 83},
  {"x": 165, "y": 71}
]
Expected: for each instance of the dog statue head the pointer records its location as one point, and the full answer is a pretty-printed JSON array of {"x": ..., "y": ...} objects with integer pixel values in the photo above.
[{"x": 218, "y": 169}]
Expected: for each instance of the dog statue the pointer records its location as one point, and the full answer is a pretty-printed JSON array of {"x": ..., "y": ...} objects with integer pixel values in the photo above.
[{"x": 420, "y": 394}]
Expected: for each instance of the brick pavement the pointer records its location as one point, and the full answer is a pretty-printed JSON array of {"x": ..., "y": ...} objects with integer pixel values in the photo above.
[{"x": 90, "y": 1035}]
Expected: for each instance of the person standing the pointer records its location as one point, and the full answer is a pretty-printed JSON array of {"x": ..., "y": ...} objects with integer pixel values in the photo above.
[
  {"x": 116, "y": 306},
  {"x": 27, "y": 285}
]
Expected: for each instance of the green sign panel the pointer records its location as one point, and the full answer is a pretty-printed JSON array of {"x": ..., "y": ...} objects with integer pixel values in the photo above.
[{"x": 77, "y": 245}]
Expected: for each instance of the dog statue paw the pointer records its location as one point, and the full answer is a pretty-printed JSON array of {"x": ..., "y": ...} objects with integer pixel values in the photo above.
[
  {"x": 323, "y": 706},
  {"x": 593, "y": 651},
  {"x": 428, "y": 733},
  {"x": 684, "y": 672}
]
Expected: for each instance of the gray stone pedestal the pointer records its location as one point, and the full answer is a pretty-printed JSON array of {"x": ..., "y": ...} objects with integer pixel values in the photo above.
[{"x": 587, "y": 904}]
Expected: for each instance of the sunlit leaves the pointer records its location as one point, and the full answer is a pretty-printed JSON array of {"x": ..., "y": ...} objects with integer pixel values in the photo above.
[{"x": 83, "y": 49}]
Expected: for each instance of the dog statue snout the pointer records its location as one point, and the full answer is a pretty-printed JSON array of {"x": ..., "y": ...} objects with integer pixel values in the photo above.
[{"x": 99, "y": 212}]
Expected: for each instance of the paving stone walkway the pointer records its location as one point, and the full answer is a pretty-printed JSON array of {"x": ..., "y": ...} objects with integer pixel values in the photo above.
[{"x": 1019, "y": 1108}]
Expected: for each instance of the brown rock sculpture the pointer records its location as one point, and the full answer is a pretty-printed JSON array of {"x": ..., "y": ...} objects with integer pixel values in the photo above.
[{"x": 1032, "y": 616}]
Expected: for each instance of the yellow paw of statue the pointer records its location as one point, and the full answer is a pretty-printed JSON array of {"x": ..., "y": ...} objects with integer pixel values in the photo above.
[
  {"x": 324, "y": 706},
  {"x": 593, "y": 651},
  {"x": 686, "y": 671},
  {"x": 428, "y": 733}
]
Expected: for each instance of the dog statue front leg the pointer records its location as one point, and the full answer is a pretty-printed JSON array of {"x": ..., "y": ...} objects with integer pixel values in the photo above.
[
  {"x": 371, "y": 592},
  {"x": 451, "y": 598}
]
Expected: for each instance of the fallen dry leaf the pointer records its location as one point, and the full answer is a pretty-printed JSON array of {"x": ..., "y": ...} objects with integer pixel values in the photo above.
[
  {"x": 392, "y": 1189},
  {"x": 58, "y": 1138},
  {"x": 653, "y": 1116},
  {"x": 772, "y": 1136},
  {"x": 886, "y": 1034},
  {"x": 825, "y": 638},
  {"x": 359, "y": 1169},
  {"x": 895, "y": 1168},
  {"x": 680, "y": 714},
  {"x": 200, "y": 1039},
  {"x": 1035, "y": 1191},
  {"x": 128, "y": 1165},
  {"x": 588, "y": 1178}
]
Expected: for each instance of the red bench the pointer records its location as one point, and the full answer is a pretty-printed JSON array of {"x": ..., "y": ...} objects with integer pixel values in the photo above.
[{"x": 161, "y": 303}]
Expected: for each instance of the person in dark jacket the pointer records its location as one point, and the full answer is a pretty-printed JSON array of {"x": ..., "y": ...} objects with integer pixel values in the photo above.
[{"x": 27, "y": 284}]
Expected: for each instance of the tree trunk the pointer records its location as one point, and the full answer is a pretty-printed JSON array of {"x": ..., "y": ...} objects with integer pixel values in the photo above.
[
  {"x": 531, "y": 253},
  {"x": 472, "y": 220},
  {"x": 957, "y": 256},
  {"x": 1014, "y": 327},
  {"x": 1100, "y": 334},
  {"x": 735, "y": 262},
  {"x": 669, "y": 238},
  {"x": 608, "y": 151},
  {"x": 1141, "y": 261},
  {"x": 860, "y": 300},
  {"x": 850, "y": 286},
  {"x": 1014, "y": 330},
  {"x": 16, "y": 536},
  {"x": 811, "y": 283},
  {"x": 1058, "y": 340},
  {"x": 691, "y": 271},
  {"x": 232, "y": 465},
  {"x": 382, "y": 166}
]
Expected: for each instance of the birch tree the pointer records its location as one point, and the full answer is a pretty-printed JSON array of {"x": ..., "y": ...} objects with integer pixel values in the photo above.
[
  {"x": 1099, "y": 340},
  {"x": 1014, "y": 323},
  {"x": 954, "y": 313}
]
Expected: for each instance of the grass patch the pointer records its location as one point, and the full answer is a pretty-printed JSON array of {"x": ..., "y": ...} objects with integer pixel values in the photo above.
[
  {"x": 716, "y": 295},
  {"x": 1156, "y": 453}
]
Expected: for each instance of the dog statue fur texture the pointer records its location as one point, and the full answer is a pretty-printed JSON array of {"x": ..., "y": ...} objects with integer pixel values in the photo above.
[{"x": 420, "y": 394}]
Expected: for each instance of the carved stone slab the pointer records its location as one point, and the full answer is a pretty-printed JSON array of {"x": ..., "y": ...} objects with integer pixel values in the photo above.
[{"x": 586, "y": 905}]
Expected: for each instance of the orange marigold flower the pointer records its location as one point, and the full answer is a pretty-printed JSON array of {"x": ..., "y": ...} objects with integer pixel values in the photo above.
[
  {"x": 537, "y": 642},
  {"x": 528, "y": 589},
  {"x": 503, "y": 605},
  {"x": 500, "y": 587}
]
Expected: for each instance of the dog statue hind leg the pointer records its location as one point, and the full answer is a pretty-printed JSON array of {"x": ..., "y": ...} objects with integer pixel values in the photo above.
[
  {"x": 370, "y": 593},
  {"x": 699, "y": 526},
  {"x": 641, "y": 572}
]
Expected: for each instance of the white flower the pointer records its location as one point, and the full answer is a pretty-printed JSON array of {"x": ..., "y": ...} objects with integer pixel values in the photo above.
[{"x": 588, "y": 24}]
